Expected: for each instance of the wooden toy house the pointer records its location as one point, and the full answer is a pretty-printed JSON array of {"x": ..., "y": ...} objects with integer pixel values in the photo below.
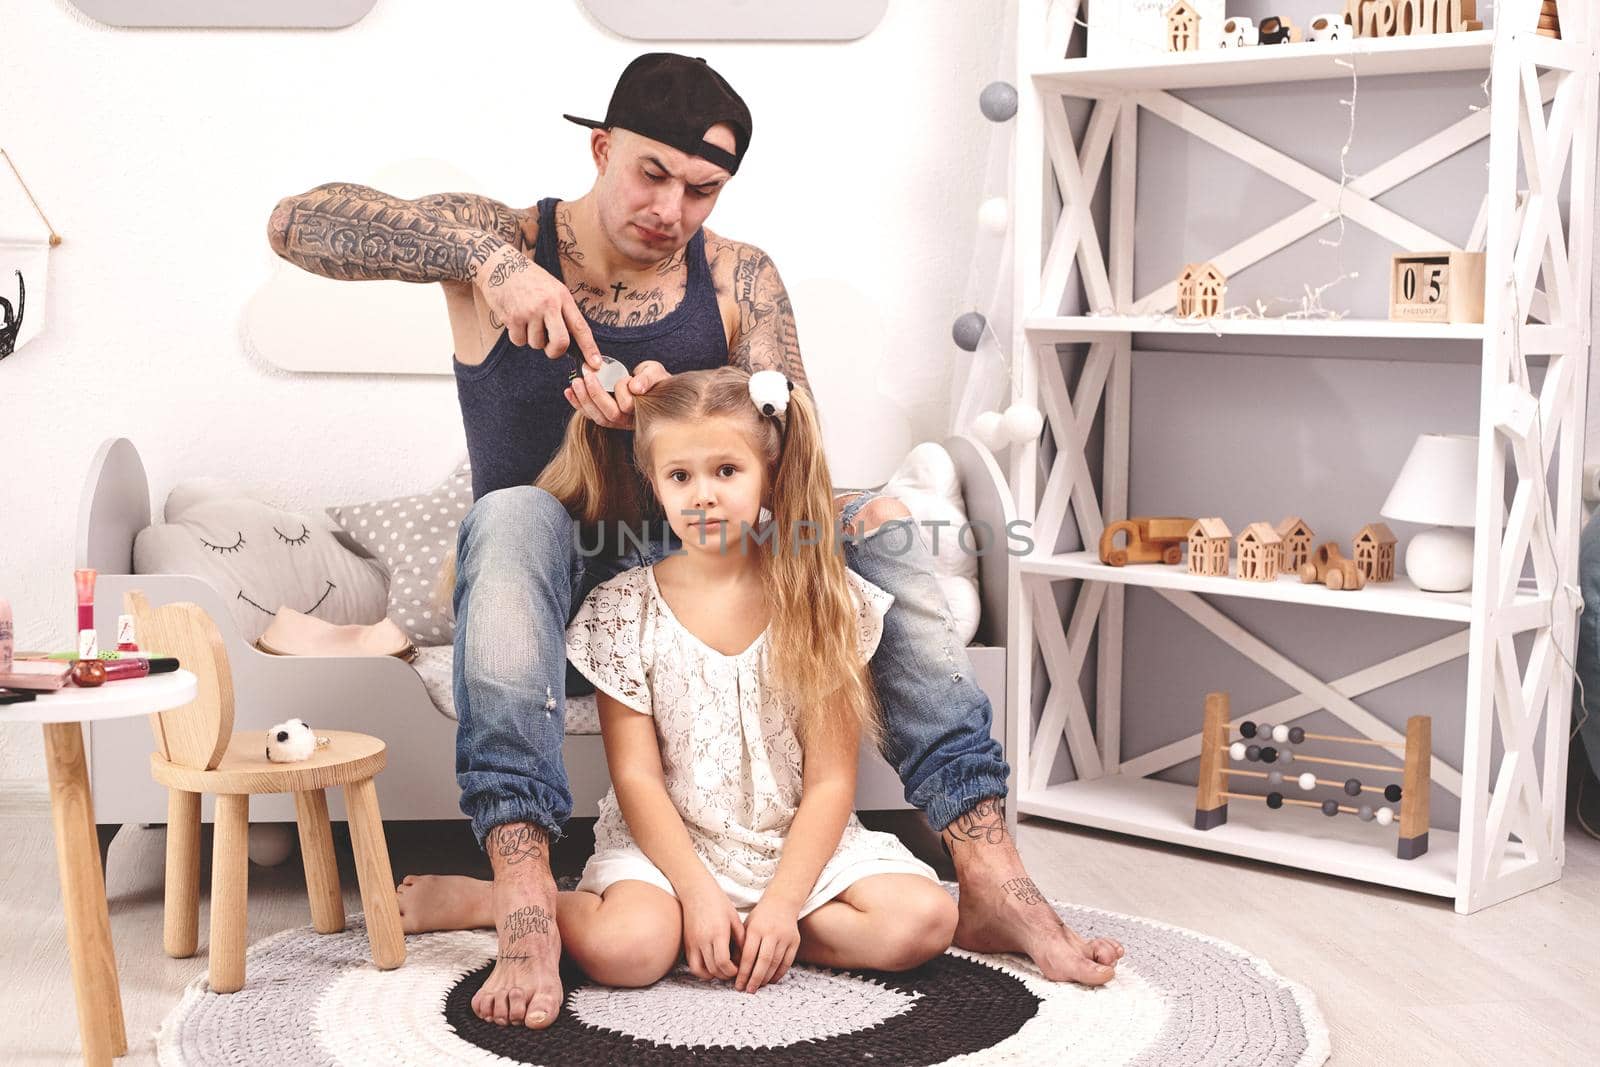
[
  {"x": 1296, "y": 537},
  {"x": 1260, "y": 550},
  {"x": 1209, "y": 542},
  {"x": 1183, "y": 27},
  {"x": 1375, "y": 552},
  {"x": 1201, "y": 288}
]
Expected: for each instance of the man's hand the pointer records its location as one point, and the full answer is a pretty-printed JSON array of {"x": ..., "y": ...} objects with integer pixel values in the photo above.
[
  {"x": 771, "y": 939},
  {"x": 710, "y": 923},
  {"x": 535, "y": 309},
  {"x": 613, "y": 411}
]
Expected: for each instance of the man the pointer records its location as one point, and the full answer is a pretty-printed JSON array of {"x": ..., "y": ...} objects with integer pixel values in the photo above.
[{"x": 628, "y": 269}]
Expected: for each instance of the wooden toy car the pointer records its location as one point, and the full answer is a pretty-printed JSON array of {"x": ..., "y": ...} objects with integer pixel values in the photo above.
[
  {"x": 1278, "y": 30},
  {"x": 1329, "y": 567},
  {"x": 1150, "y": 540},
  {"x": 1331, "y": 28},
  {"x": 1239, "y": 32}
]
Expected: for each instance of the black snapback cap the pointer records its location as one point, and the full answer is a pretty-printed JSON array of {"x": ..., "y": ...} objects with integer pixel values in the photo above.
[{"x": 675, "y": 99}]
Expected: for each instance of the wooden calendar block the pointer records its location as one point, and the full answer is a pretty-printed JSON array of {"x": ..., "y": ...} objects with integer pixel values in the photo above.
[{"x": 1436, "y": 287}]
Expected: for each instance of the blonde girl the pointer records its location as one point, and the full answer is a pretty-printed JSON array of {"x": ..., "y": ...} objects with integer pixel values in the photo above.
[{"x": 734, "y": 696}]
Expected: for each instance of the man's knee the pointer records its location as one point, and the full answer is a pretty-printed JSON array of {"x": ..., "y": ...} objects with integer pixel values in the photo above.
[
  {"x": 521, "y": 509},
  {"x": 521, "y": 518},
  {"x": 879, "y": 510}
]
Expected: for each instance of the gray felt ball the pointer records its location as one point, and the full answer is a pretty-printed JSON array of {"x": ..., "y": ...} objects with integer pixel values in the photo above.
[
  {"x": 1274, "y": 777},
  {"x": 1252, "y": 753},
  {"x": 1352, "y": 786},
  {"x": 1366, "y": 812},
  {"x": 1330, "y": 807},
  {"x": 968, "y": 331},
  {"x": 998, "y": 101}
]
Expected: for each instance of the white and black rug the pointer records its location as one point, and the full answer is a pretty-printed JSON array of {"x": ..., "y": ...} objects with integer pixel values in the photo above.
[{"x": 1179, "y": 998}]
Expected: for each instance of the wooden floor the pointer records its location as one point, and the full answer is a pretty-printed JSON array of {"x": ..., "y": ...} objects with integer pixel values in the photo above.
[{"x": 1401, "y": 979}]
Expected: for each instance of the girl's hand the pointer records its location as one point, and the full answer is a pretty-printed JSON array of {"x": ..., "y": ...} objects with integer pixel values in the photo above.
[
  {"x": 771, "y": 939},
  {"x": 710, "y": 922}
]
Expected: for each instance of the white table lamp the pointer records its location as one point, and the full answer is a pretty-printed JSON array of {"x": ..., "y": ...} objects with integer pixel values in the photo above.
[{"x": 1438, "y": 488}]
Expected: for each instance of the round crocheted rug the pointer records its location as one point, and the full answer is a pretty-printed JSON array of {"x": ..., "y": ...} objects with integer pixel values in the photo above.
[{"x": 1179, "y": 998}]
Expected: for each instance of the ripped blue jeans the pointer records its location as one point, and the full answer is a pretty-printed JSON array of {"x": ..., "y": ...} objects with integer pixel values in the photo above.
[{"x": 521, "y": 577}]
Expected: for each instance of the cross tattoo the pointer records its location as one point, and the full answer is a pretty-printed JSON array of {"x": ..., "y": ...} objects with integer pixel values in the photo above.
[{"x": 617, "y": 289}]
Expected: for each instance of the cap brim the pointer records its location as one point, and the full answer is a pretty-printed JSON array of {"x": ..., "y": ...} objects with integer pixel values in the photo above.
[{"x": 591, "y": 123}]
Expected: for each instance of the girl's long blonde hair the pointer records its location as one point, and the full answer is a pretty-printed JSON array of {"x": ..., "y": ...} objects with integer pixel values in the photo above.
[{"x": 812, "y": 643}]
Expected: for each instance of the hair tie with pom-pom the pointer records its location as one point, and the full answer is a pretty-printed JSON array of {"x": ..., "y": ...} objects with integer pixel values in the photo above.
[{"x": 769, "y": 391}]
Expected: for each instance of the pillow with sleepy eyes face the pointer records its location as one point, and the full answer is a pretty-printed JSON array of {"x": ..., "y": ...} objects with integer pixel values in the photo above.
[{"x": 260, "y": 557}]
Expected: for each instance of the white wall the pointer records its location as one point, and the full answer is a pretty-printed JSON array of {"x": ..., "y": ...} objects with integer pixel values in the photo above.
[{"x": 158, "y": 155}]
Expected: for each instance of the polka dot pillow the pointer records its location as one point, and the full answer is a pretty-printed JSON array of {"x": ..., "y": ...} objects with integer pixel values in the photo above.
[{"x": 412, "y": 536}]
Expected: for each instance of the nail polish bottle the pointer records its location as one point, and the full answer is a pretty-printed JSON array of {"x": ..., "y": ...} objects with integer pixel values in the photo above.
[
  {"x": 84, "y": 581},
  {"x": 126, "y": 641}
]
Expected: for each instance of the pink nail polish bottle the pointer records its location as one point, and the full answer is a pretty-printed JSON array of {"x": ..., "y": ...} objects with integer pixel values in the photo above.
[{"x": 84, "y": 580}]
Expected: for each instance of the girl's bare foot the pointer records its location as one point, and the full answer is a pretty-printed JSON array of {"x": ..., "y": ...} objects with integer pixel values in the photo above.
[
  {"x": 524, "y": 989},
  {"x": 1001, "y": 910},
  {"x": 445, "y": 902}
]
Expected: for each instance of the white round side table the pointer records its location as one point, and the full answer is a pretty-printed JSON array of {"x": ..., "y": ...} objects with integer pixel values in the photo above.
[{"x": 83, "y": 887}]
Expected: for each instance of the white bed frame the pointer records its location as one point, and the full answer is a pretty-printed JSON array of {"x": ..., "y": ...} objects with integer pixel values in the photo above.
[{"x": 384, "y": 696}]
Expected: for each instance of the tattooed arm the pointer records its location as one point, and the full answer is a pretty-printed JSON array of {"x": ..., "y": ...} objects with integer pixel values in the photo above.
[
  {"x": 756, "y": 309},
  {"x": 352, "y": 232}
]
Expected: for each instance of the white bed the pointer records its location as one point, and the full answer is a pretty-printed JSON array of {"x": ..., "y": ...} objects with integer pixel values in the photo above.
[{"x": 387, "y": 697}]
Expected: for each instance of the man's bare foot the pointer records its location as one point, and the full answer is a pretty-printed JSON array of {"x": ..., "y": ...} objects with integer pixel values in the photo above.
[
  {"x": 445, "y": 902},
  {"x": 1001, "y": 910},
  {"x": 524, "y": 989}
]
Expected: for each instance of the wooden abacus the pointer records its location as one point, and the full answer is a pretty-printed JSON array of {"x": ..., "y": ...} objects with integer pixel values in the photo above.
[{"x": 1262, "y": 742}]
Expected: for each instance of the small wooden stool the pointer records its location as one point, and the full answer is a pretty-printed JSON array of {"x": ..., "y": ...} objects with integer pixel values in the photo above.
[{"x": 197, "y": 752}]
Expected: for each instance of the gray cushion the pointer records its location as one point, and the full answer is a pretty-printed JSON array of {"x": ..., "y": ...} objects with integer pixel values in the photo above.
[
  {"x": 260, "y": 557},
  {"x": 412, "y": 536}
]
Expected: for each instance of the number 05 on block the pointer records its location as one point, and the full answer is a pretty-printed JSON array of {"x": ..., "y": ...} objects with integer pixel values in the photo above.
[{"x": 1436, "y": 287}]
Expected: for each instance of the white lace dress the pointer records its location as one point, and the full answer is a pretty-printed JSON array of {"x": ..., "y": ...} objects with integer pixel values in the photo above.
[{"x": 732, "y": 761}]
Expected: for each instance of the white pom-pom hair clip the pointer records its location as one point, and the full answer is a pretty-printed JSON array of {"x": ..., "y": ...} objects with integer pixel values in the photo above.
[{"x": 770, "y": 389}]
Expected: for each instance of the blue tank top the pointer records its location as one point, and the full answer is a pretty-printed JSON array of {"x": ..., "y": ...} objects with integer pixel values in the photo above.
[{"x": 511, "y": 403}]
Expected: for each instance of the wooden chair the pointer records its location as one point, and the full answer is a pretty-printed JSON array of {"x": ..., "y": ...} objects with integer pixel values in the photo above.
[{"x": 197, "y": 752}]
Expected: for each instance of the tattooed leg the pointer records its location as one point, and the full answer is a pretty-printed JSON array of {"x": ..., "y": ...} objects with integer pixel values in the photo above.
[
  {"x": 1002, "y": 910},
  {"x": 524, "y": 989}
]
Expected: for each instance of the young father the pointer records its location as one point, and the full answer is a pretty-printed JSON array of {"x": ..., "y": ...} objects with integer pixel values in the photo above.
[{"x": 628, "y": 269}]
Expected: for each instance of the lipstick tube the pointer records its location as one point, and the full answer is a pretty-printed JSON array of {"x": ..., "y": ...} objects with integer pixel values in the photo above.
[{"x": 119, "y": 669}]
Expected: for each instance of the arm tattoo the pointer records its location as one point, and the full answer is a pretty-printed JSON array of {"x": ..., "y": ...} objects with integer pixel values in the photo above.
[
  {"x": 525, "y": 921},
  {"x": 509, "y": 262},
  {"x": 351, "y": 232},
  {"x": 517, "y": 841},
  {"x": 765, "y": 338},
  {"x": 985, "y": 823}
]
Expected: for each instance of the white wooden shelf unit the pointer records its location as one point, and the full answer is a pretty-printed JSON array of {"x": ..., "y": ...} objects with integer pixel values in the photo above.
[{"x": 1512, "y": 808}]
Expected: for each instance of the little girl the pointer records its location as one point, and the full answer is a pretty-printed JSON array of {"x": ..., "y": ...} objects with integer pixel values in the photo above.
[{"x": 733, "y": 695}]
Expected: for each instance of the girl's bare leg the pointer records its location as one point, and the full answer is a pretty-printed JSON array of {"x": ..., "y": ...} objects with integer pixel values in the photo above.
[
  {"x": 888, "y": 922},
  {"x": 629, "y": 936}
]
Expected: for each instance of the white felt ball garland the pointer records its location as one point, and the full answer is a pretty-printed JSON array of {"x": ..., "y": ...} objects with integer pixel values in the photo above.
[{"x": 994, "y": 214}]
